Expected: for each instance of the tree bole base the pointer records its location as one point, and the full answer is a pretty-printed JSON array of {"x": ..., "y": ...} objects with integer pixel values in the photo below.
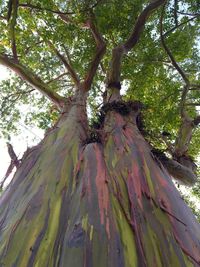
[{"x": 101, "y": 204}]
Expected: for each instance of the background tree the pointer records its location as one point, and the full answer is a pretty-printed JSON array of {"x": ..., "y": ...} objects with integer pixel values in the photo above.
[{"x": 98, "y": 190}]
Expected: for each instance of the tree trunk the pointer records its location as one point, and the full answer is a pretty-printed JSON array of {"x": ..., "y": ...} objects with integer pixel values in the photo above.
[{"x": 75, "y": 203}]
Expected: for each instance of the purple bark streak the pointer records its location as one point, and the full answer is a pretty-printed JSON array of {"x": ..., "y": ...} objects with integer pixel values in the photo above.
[{"x": 108, "y": 204}]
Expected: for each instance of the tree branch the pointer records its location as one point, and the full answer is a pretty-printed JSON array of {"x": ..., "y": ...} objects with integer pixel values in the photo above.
[
  {"x": 17, "y": 94},
  {"x": 188, "y": 14},
  {"x": 194, "y": 87},
  {"x": 12, "y": 155},
  {"x": 179, "y": 25},
  {"x": 174, "y": 63},
  {"x": 101, "y": 49},
  {"x": 57, "y": 78},
  {"x": 66, "y": 64},
  {"x": 187, "y": 124},
  {"x": 32, "y": 79},
  {"x": 193, "y": 104},
  {"x": 175, "y": 12},
  {"x": 12, "y": 17},
  {"x": 119, "y": 51},
  {"x": 185, "y": 174},
  {"x": 179, "y": 172},
  {"x": 58, "y": 12}
]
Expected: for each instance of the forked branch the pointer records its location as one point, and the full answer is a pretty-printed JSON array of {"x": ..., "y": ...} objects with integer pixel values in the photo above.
[
  {"x": 100, "y": 51},
  {"x": 32, "y": 79},
  {"x": 188, "y": 85},
  {"x": 121, "y": 50},
  {"x": 182, "y": 167},
  {"x": 67, "y": 64}
]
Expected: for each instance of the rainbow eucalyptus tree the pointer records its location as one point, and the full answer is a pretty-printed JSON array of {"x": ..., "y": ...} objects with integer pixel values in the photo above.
[{"x": 116, "y": 84}]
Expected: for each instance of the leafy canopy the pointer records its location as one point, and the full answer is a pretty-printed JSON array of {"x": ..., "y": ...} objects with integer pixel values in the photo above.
[{"x": 162, "y": 70}]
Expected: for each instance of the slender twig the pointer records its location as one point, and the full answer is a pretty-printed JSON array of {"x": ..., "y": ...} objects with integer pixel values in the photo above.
[
  {"x": 39, "y": 8},
  {"x": 188, "y": 14},
  {"x": 193, "y": 104},
  {"x": 57, "y": 78},
  {"x": 179, "y": 25},
  {"x": 13, "y": 101},
  {"x": 58, "y": 12},
  {"x": 194, "y": 86},
  {"x": 32, "y": 45},
  {"x": 167, "y": 97},
  {"x": 19, "y": 93}
]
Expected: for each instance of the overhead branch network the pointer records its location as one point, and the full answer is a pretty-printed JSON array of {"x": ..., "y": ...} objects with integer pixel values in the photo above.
[
  {"x": 188, "y": 124},
  {"x": 121, "y": 50}
]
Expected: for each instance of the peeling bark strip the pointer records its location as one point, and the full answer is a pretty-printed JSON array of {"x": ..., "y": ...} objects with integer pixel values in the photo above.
[{"x": 106, "y": 204}]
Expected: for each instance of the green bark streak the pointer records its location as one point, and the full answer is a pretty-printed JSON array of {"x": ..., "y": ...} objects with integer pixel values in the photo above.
[{"x": 101, "y": 205}]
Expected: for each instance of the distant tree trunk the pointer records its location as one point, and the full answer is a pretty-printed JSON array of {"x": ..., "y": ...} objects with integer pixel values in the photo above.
[{"x": 108, "y": 203}]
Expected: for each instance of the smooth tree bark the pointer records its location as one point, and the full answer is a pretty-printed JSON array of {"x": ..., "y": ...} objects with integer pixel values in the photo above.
[
  {"x": 96, "y": 197},
  {"x": 108, "y": 203}
]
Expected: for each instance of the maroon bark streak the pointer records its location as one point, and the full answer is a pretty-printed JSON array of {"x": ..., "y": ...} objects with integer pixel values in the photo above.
[
  {"x": 164, "y": 192},
  {"x": 89, "y": 183}
]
